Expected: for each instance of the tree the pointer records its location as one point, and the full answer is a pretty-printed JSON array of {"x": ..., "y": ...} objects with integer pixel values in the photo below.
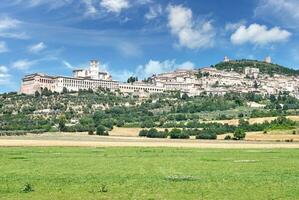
[
  {"x": 272, "y": 98},
  {"x": 64, "y": 90},
  {"x": 154, "y": 133},
  {"x": 98, "y": 116},
  {"x": 61, "y": 123},
  {"x": 143, "y": 133},
  {"x": 178, "y": 134},
  {"x": 120, "y": 123},
  {"x": 147, "y": 123},
  {"x": 108, "y": 123},
  {"x": 239, "y": 134},
  {"x": 207, "y": 134},
  {"x": 185, "y": 96},
  {"x": 101, "y": 130},
  {"x": 90, "y": 132},
  {"x": 255, "y": 85},
  {"x": 36, "y": 94},
  {"x": 46, "y": 92},
  {"x": 132, "y": 79},
  {"x": 86, "y": 121}
]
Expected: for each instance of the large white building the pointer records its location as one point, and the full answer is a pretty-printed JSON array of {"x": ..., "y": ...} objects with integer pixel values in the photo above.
[{"x": 83, "y": 79}]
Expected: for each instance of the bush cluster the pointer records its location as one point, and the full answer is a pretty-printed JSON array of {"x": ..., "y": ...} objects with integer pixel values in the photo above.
[
  {"x": 178, "y": 134},
  {"x": 206, "y": 135},
  {"x": 152, "y": 133}
]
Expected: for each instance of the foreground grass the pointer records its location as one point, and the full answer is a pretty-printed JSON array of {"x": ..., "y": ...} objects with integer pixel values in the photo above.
[{"x": 148, "y": 173}]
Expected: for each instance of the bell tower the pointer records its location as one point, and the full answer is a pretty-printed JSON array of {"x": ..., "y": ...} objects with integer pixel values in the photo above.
[{"x": 94, "y": 69}]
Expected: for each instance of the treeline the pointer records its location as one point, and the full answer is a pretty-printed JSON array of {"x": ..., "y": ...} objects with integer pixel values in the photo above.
[
  {"x": 211, "y": 130},
  {"x": 266, "y": 68},
  {"x": 23, "y": 122}
]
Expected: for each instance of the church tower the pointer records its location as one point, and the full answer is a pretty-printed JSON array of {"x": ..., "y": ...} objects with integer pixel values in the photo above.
[{"x": 94, "y": 69}]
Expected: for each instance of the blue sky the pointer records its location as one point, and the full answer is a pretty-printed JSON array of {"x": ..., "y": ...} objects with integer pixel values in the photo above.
[{"x": 141, "y": 37}]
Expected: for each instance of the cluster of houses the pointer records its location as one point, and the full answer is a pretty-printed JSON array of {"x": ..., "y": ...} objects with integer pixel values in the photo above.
[{"x": 192, "y": 82}]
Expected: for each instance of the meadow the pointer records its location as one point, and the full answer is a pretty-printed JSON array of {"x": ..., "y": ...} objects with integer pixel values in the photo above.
[{"x": 148, "y": 173}]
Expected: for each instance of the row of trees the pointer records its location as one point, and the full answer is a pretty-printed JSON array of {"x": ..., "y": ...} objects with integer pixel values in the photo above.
[{"x": 210, "y": 131}]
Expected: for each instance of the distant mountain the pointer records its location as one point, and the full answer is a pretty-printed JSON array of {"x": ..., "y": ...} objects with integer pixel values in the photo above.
[{"x": 265, "y": 68}]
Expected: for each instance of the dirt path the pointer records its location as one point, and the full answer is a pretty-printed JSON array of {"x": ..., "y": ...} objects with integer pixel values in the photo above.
[{"x": 71, "y": 140}]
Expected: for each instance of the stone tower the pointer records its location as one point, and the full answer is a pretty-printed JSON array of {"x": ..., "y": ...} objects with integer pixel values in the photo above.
[
  {"x": 94, "y": 69},
  {"x": 268, "y": 59}
]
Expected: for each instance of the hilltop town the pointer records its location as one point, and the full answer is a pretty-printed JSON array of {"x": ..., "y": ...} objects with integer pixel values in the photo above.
[{"x": 238, "y": 76}]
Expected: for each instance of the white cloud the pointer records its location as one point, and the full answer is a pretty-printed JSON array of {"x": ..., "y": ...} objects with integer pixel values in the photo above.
[
  {"x": 36, "y": 48},
  {"x": 3, "y": 47},
  {"x": 3, "y": 70},
  {"x": 52, "y": 4},
  {"x": 23, "y": 64},
  {"x": 154, "y": 12},
  {"x": 8, "y": 23},
  {"x": 9, "y": 28},
  {"x": 283, "y": 11},
  {"x": 85, "y": 8},
  {"x": 191, "y": 34},
  {"x": 91, "y": 9},
  {"x": 4, "y": 75},
  {"x": 186, "y": 65},
  {"x": 259, "y": 35},
  {"x": 157, "y": 67},
  {"x": 234, "y": 26},
  {"x": 115, "y": 6},
  {"x": 68, "y": 65},
  {"x": 89, "y": 5}
]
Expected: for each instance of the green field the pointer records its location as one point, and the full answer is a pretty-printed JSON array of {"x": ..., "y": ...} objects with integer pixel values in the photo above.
[{"x": 148, "y": 173}]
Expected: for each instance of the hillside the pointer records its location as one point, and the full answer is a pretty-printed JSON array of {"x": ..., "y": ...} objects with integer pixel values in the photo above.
[
  {"x": 102, "y": 110},
  {"x": 266, "y": 68}
]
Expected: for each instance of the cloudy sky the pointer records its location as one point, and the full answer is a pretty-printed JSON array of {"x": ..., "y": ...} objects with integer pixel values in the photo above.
[{"x": 141, "y": 37}]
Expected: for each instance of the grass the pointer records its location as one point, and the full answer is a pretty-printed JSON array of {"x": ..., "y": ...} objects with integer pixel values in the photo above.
[{"x": 148, "y": 173}]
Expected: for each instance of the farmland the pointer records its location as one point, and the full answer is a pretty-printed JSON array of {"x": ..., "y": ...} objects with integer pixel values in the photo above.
[{"x": 148, "y": 173}]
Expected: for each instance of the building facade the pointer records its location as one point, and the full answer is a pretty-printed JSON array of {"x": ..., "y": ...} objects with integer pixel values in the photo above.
[{"x": 84, "y": 79}]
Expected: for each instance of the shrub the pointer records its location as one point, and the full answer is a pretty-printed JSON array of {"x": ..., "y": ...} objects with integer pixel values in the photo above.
[
  {"x": 61, "y": 123},
  {"x": 120, "y": 123},
  {"x": 27, "y": 188},
  {"x": 178, "y": 134},
  {"x": 239, "y": 134},
  {"x": 101, "y": 130},
  {"x": 294, "y": 132},
  {"x": 147, "y": 124},
  {"x": 228, "y": 137},
  {"x": 103, "y": 188},
  {"x": 207, "y": 135},
  {"x": 108, "y": 124},
  {"x": 90, "y": 132},
  {"x": 166, "y": 131},
  {"x": 154, "y": 133},
  {"x": 143, "y": 133}
]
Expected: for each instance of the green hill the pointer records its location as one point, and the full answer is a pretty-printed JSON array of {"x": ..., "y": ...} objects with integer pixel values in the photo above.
[{"x": 266, "y": 68}]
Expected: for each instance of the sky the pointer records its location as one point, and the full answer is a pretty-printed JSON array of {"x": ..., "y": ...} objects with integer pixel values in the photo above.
[{"x": 141, "y": 37}]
